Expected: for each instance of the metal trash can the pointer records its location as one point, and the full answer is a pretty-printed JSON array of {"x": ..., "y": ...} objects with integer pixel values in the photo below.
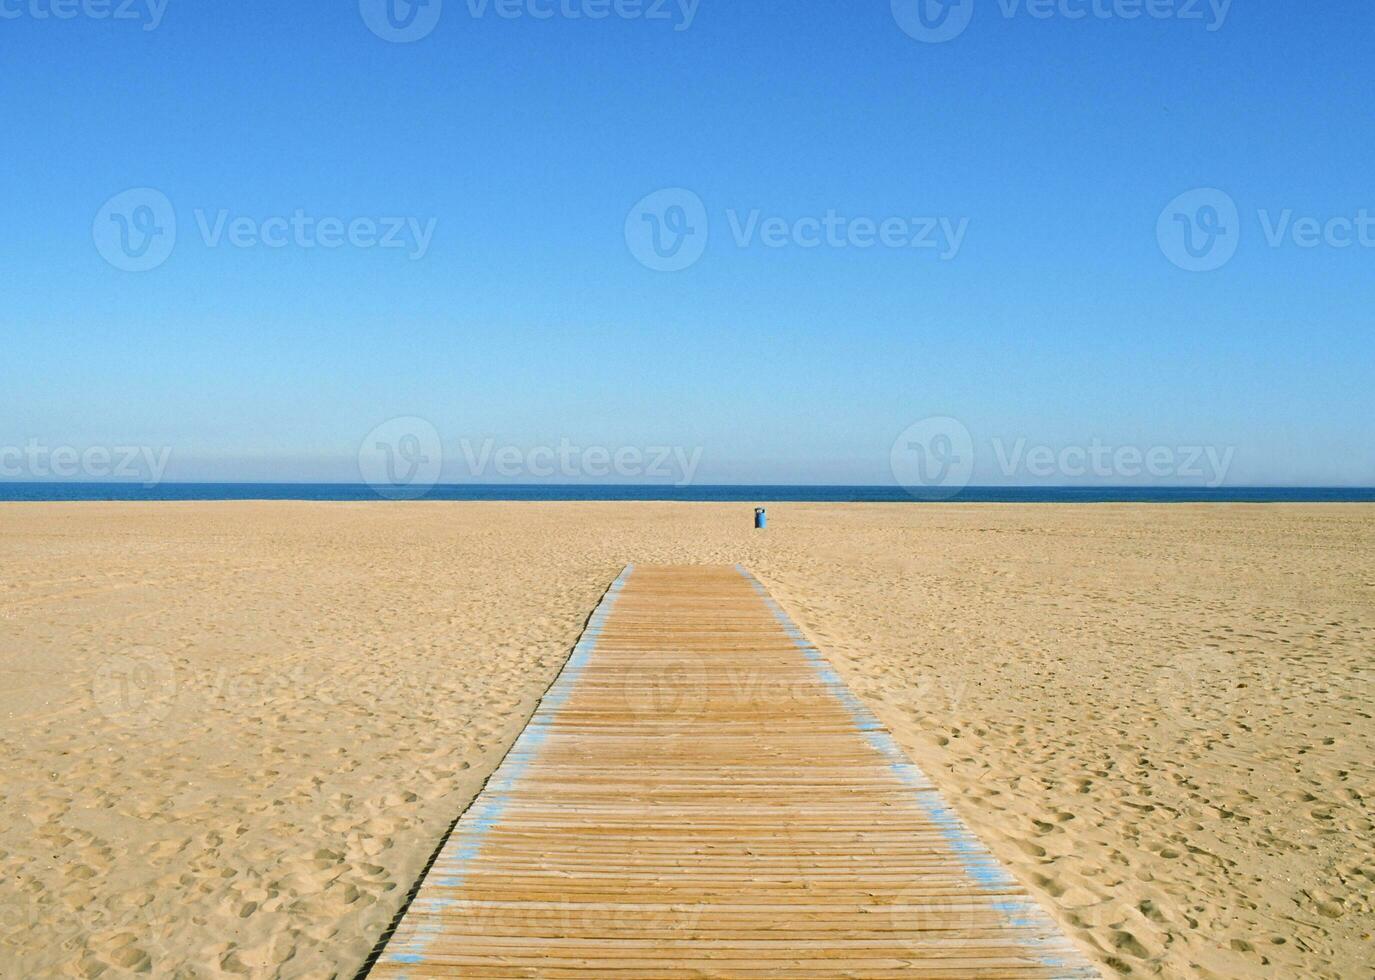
[{"x": 761, "y": 518}]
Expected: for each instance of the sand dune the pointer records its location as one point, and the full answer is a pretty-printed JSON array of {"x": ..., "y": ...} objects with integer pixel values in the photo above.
[{"x": 233, "y": 733}]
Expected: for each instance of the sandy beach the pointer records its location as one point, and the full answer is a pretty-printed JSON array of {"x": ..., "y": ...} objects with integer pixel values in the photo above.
[{"x": 233, "y": 733}]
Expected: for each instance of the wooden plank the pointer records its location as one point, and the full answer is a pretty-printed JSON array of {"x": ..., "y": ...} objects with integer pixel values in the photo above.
[{"x": 700, "y": 795}]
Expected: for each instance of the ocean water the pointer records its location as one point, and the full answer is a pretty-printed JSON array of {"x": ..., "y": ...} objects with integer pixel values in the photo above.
[{"x": 724, "y": 494}]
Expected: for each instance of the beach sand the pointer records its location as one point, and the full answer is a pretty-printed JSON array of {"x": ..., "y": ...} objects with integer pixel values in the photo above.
[{"x": 231, "y": 734}]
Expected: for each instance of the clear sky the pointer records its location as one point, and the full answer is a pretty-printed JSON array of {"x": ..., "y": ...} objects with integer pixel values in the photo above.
[{"x": 1047, "y": 144}]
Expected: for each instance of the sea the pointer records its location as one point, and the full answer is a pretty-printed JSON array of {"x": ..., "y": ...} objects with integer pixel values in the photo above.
[{"x": 719, "y": 494}]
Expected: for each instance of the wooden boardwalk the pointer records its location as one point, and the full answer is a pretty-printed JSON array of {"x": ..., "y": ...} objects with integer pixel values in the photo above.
[{"x": 699, "y": 795}]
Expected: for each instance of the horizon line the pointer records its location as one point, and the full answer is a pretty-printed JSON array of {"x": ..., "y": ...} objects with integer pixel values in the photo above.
[{"x": 689, "y": 486}]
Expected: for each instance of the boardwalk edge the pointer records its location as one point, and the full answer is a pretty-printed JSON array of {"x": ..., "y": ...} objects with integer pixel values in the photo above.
[
  {"x": 466, "y": 837},
  {"x": 1051, "y": 946}
]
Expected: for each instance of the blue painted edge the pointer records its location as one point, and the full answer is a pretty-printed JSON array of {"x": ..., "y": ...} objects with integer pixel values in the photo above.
[
  {"x": 1052, "y": 948},
  {"x": 469, "y": 833}
]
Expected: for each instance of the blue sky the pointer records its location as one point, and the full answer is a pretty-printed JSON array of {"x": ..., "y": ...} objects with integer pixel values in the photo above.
[{"x": 523, "y": 144}]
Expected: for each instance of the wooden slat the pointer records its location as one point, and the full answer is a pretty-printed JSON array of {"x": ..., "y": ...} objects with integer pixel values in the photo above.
[{"x": 699, "y": 795}]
